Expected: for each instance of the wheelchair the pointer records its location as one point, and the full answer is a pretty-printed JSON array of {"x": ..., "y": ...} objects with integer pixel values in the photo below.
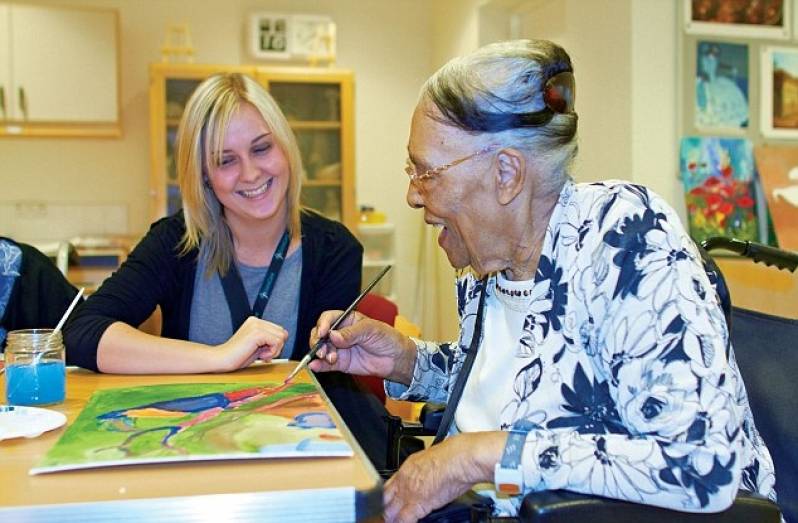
[{"x": 770, "y": 384}]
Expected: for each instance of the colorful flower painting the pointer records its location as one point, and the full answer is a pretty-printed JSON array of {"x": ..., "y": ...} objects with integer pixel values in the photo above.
[
  {"x": 195, "y": 422},
  {"x": 719, "y": 182}
]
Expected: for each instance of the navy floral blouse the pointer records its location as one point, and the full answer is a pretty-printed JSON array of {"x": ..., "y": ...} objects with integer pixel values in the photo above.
[
  {"x": 623, "y": 363},
  {"x": 10, "y": 262}
]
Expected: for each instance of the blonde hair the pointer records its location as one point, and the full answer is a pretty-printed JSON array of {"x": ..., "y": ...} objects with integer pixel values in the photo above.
[{"x": 200, "y": 141}]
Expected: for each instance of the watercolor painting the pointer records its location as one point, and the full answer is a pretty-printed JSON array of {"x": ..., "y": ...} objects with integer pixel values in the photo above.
[
  {"x": 269, "y": 35},
  {"x": 779, "y": 89},
  {"x": 738, "y": 18},
  {"x": 195, "y": 422},
  {"x": 721, "y": 96},
  {"x": 719, "y": 180},
  {"x": 778, "y": 170}
]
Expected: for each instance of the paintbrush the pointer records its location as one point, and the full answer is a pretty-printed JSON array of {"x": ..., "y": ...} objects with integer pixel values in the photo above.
[{"x": 321, "y": 341}]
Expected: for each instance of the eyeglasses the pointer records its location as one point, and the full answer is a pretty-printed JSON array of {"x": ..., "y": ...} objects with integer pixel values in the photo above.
[{"x": 416, "y": 177}]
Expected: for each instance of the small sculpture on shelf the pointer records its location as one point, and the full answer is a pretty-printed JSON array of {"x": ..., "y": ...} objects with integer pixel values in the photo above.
[{"x": 177, "y": 44}]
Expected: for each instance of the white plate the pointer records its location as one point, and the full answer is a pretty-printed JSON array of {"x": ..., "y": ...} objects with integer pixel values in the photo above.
[{"x": 27, "y": 422}]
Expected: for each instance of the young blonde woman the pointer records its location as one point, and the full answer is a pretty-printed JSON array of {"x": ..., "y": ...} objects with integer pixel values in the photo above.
[{"x": 242, "y": 272}]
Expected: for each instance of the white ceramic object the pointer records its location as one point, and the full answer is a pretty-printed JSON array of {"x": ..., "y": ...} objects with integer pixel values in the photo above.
[{"x": 27, "y": 422}]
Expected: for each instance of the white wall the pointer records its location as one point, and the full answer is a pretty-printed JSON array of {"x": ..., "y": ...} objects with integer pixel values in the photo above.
[
  {"x": 596, "y": 34},
  {"x": 654, "y": 100},
  {"x": 624, "y": 56}
]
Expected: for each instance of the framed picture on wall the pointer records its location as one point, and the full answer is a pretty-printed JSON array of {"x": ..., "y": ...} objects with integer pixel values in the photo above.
[
  {"x": 719, "y": 179},
  {"x": 779, "y": 87},
  {"x": 269, "y": 35},
  {"x": 721, "y": 86},
  {"x": 286, "y": 36},
  {"x": 778, "y": 171},
  {"x": 313, "y": 36},
  {"x": 739, "y": 18}
]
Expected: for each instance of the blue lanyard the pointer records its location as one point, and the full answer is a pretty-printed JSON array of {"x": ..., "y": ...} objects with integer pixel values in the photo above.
[
  {"x": 267, "y": 286},
  {"x": 236, "y": 295}
]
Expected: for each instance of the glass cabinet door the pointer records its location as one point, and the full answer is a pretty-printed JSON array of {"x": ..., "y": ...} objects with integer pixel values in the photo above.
[
  {"x": 314, "y": 112},
  {"x": 178, "y": 91}
]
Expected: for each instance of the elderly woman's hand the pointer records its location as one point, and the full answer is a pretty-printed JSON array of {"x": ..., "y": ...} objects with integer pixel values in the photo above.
[
  {"x": 371, "y": 348},
  {"x": 434, "y": 477}
]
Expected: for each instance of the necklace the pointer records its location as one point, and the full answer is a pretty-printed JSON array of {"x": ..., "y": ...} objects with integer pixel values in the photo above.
[
  {"x": 512, "y": 292},
  {"x": 515, "y": 295}
]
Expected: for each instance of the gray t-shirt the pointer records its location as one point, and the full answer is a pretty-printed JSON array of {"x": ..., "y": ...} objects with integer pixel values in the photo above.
[{"x": 210, "y": 316}]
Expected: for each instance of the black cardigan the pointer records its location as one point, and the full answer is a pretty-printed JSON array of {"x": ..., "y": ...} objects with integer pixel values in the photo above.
[{"x": 156, "y": 274}]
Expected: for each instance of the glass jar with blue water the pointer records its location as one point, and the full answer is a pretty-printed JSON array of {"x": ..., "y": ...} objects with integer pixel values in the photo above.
[{"x": 35, "y": 367}]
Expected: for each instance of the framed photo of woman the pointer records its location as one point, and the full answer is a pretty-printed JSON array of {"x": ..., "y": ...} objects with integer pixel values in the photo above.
[
  {"x": 779, "y": 88},
  {"x": 769, "y": 19}
]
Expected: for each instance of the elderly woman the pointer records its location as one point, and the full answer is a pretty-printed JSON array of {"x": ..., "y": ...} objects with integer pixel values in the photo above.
[{"x": 593, "y": 354}]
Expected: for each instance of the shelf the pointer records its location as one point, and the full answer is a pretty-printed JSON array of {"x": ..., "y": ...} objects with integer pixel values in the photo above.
[
  {"x": 295, "y": 125},
  {"x": 375, "y": 228},
  {"x": 321, "y": 183},
  {"x": 57, "y": 129},
  {"x": 378, "y": 263},
  {"x": 306, "y": 125}
]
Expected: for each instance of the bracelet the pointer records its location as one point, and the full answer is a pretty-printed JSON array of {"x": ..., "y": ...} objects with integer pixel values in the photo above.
[{"x": 508, "y": 473}]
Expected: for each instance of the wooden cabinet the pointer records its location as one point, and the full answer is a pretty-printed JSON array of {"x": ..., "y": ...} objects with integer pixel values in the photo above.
[
  {"x": 5, "y": 60},
  {"x": 317, "y": 103},
  {"x": 59, "y": 71}
]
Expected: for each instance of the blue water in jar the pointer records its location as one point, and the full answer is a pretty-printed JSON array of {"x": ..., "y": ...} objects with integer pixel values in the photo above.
[{"x": 40, "y": 384}]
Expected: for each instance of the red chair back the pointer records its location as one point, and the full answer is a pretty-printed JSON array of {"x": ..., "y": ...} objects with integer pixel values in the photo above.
[{"x": 379, "y": 308}]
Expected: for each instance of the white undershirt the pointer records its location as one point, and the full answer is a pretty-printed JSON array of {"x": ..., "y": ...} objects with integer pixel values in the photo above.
[{"x": 488, "y": 390}]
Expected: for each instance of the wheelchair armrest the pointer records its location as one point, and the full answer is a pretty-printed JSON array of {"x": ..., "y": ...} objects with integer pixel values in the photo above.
[
  {"x": 400, "y": 431},
  {"x": 431, "y": 416},
  {"x": 557, "y": 506}
]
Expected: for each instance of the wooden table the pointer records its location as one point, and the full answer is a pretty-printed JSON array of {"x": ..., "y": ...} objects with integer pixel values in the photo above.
[{"x": 307, "y": 490}]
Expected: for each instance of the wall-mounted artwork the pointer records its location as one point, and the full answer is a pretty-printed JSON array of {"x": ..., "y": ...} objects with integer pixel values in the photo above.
[
  {"x": 719, "y": 183},
  {"x": 778, "y": 170},
  {"x": 196, "y": 422},
  {"x": 779, "y": 86},
  {"x": 738, "y": 18},
  {"x": 721, "y": 94},
  {"x": 269, "y": 35},
  {"x": 290, "y": 37}
]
